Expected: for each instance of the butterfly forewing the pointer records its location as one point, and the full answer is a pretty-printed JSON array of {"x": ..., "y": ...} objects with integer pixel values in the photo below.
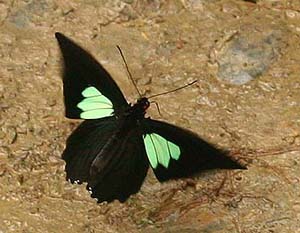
[
  {"x": 187, "y": 155},
  {"x": 82, "y": 74},
  {"x": 159, "y": 150}
]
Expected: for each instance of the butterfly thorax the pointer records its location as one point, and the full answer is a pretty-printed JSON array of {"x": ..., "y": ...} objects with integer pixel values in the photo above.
[{"x": 138, "y": 110}]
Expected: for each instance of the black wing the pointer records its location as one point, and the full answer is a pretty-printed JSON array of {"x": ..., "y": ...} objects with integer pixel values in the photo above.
[
  {"x": 113, "y": 163},
  {"x": 195, "y": 154},
  {"x": 81, "y": 70}
]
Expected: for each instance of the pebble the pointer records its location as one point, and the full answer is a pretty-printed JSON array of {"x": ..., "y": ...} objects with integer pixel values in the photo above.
[{"x": 247, "y": 58}]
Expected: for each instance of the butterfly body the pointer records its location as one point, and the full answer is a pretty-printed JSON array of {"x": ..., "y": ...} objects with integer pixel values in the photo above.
[
  {"x": 138, "y": 110},
  {"x": 112, "y": 149},
  {"x": 126, "y": 123}
]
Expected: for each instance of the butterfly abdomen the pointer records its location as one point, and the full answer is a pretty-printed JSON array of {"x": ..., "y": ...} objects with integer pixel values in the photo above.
[
  {"x": 110, "y": 155},
  {"x": 121, "y": 165}
]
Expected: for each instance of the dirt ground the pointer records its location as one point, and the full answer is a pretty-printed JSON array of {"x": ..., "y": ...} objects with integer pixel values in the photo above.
[{"x": 167, "y": 44}]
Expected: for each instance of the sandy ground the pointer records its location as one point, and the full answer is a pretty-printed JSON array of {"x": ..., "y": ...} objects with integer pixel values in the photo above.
[{"x": 167, "y": 44}]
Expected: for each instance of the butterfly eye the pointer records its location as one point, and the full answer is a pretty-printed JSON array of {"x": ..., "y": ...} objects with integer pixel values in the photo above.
[{"x": 146, "y": 105}]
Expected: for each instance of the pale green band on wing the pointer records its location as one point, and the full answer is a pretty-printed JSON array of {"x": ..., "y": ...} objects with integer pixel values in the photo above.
[
  {"x": 150, "y": 150},
  {"x": 94, "y": 105},
  {"x": 96, "y": 114},
  {"x": 99, "y": 98},
  {"x": 159, "y": 150},
  {"x": 174, "y": 150},
  {"x": 90, "y": 91}
]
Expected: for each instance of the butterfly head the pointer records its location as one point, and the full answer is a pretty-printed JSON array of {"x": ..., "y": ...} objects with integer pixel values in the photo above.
[{"x": 143, "y": 103}]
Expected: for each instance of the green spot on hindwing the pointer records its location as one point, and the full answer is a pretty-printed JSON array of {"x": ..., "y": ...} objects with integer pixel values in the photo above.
[
  {"x": 159, "y": 150},
  {"x": 94, "y": 105}
]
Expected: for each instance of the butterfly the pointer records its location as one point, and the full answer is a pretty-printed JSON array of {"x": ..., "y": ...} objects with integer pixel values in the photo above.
[{"x": 112, "y": 149}]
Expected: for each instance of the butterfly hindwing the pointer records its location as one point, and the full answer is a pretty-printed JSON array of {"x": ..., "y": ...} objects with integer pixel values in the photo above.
[
  {"x": 84, "y": 75},
  {"x": 174, "y": 152},
  {"x": 121, "y": 170},
  {"x": 113, "y": 162},
  {"x": 84, "y": 144}
]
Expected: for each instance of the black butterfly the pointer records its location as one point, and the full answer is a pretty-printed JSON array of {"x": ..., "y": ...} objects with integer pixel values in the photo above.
[{"x": 111, "y": 150}]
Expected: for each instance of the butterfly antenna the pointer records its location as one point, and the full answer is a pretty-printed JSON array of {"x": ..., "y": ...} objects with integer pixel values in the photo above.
[
  {"x": 167, "y": 92},
  {"x": 128, "y": 72},
  {"x": 157, "y": 106}
]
